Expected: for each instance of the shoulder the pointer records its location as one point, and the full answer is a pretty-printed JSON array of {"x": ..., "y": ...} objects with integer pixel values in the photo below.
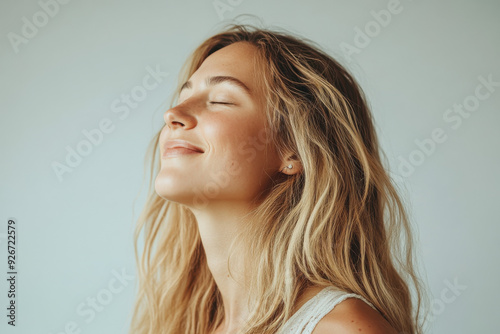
[{"x": 353, "y": 315}]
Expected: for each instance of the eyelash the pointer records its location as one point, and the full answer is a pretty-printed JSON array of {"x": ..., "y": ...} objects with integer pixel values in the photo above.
[{"x": 216, "y": 102}]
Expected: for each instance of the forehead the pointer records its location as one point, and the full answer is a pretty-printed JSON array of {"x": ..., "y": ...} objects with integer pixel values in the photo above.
[{"x": 235, "y": 60}]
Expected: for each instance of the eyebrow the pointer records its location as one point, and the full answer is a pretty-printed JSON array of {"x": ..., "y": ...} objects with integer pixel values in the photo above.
[{"x": 218, "y": 79}]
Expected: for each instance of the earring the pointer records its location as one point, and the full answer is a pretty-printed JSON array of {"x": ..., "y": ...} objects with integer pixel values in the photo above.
[{"x": 289, "y": 167}]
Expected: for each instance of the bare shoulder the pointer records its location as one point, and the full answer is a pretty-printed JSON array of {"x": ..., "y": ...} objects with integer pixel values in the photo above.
[{"x": 353, "y": 316}]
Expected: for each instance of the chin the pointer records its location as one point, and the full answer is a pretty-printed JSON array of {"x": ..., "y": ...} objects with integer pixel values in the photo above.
[
  {"x": 164, "y": 190},
  {"x": 160, "y": 188}
]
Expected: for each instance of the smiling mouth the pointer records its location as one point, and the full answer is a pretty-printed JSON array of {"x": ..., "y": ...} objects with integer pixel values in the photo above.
[{"x": 178, "y": 151}]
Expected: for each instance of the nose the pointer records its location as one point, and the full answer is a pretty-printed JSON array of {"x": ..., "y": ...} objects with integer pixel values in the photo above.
[{"x": 178, "y": 117}]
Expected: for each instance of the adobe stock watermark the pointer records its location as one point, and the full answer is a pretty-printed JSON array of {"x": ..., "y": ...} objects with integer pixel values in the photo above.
[
  {"x": 88, "y": 309},
  {"x": 453, "y": 116},
  {"x": 447, "y": 296},
  {"x": 223, "y": 6},
  {"x": 121, "y": 107},
  {"x": 30, "y": 27},
  {"x": 373, "y": 28}
]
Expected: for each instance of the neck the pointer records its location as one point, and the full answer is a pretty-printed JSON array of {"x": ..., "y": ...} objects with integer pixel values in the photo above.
[{"x": 219, "y": 224}]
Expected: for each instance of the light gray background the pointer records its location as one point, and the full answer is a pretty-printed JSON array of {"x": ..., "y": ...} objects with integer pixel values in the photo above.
[{"x": 73, "y": 235}]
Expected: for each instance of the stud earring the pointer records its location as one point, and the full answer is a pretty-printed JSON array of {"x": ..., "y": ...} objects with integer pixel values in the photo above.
[{"x": 289, "y": 167}]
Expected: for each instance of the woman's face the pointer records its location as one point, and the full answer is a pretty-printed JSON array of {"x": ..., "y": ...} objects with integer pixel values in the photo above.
[{"x": 237, "y": 161}]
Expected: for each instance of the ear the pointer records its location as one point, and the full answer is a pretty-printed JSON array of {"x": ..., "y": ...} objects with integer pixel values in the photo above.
[{"x": 291, "y": 165}]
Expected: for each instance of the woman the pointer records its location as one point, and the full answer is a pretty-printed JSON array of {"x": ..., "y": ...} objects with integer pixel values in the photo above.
[{"x": 270, "y": 200}]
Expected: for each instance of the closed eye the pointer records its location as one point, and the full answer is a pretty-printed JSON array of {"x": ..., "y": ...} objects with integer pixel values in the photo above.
[{"x": 217, "y": 102}]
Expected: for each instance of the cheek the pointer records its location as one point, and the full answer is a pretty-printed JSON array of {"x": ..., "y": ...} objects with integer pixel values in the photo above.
[
  {"x": 237, "y": 146},
  {"x": 235, "y": 138},
  {"x": 222, "y": 129}
]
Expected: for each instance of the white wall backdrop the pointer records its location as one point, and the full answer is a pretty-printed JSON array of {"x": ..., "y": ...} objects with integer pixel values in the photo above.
[{"x": 430, "y": 71}]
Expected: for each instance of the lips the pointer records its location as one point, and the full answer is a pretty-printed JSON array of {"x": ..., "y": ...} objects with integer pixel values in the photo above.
[{"x": 179, "y": 146}]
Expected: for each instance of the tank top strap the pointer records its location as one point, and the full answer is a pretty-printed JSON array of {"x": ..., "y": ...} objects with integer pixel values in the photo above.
[{"x": 307, "y": 317}]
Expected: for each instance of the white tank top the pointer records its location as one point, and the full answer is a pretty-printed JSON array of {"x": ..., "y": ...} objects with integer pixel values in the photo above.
[{"x": 307, "y": 317}]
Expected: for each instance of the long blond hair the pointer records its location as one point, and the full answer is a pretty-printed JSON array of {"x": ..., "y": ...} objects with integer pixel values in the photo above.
[{"x": 340, "y": 222}]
